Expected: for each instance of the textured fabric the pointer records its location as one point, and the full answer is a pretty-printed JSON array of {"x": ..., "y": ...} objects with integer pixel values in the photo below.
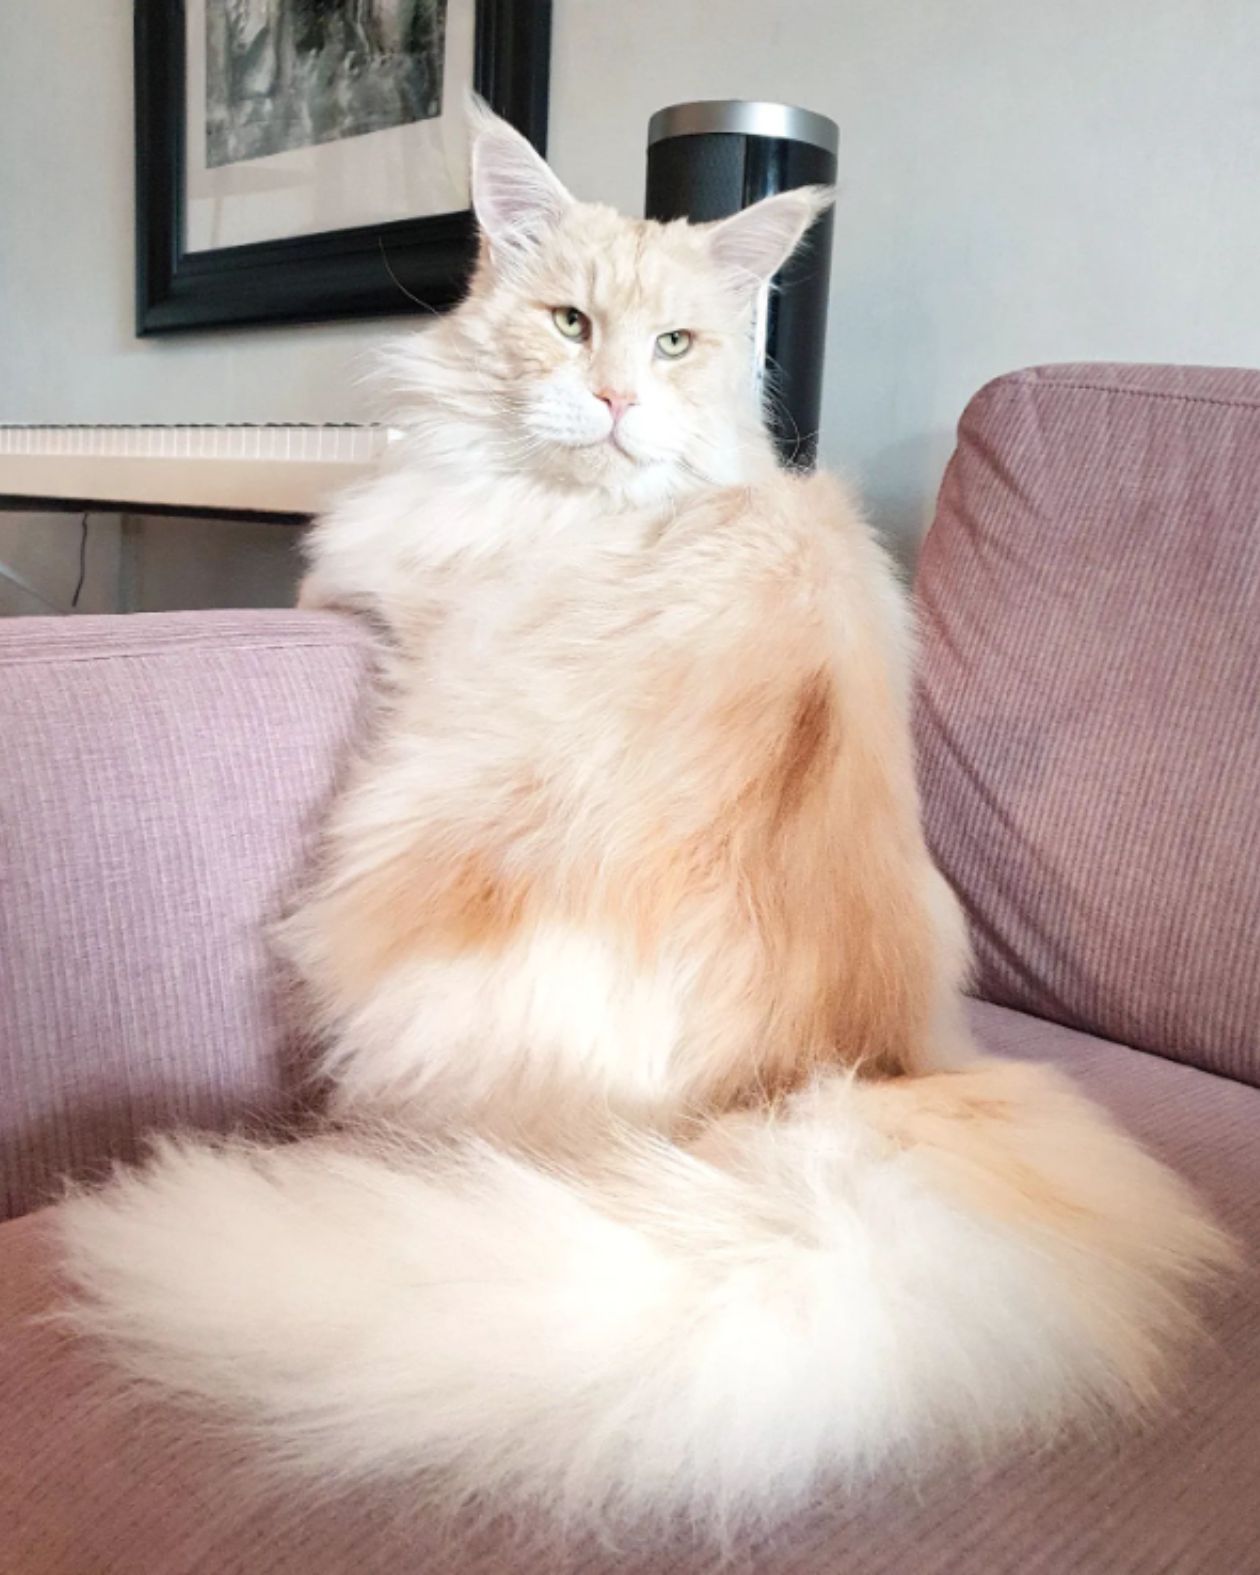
[
  {"x": 160, "y": 781},
  {"x": 1088, "y": 716},
  {"x": 89, "y": 1484}
]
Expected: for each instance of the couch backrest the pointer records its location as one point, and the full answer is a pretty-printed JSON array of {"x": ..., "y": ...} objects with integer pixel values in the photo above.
[
  {"x": 161, "y": 780},
  {"x": 1088, "y": 724},
  {"x": 1088, "y": 715}
]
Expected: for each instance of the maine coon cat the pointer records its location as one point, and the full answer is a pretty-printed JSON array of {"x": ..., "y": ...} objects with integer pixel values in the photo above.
[{"x": 661, "y": 1177}]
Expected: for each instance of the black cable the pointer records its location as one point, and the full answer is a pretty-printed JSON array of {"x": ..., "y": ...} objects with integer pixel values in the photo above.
[{"x": 78, "y": 590}]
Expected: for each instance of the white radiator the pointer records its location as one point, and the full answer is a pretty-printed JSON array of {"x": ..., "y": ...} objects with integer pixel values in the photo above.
[{"x": 261, "y": 470}]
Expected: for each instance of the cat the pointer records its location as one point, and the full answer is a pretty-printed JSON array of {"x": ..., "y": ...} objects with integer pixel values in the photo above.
[{"x": 661, "y": 1179}]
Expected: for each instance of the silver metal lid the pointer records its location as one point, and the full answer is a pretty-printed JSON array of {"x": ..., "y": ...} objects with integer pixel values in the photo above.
[{"x": 744, "y": 117}]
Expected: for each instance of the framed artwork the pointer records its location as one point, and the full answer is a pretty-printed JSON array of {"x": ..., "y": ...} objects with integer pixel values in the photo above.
[{"x": 307, "y": 159}]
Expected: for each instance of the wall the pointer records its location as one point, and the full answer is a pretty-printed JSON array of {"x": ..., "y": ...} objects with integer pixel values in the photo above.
[
  {"x": 133, "y": 564},
  {"x": 41, "y": 556},
  {"x": 220, "y": 563},
  {"x": 1022, "y": 181}
]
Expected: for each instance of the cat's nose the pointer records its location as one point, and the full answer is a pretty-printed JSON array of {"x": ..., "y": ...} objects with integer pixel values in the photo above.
[{"x": 618, "y": 404}]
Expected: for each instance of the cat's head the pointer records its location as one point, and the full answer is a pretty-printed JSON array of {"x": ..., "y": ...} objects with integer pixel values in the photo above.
[{"x": 596, "y": 350}]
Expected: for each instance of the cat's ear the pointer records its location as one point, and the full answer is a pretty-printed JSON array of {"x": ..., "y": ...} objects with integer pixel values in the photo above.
[
  {"x": 753, "y": 244},
  {"x": 515, "y": 196}
]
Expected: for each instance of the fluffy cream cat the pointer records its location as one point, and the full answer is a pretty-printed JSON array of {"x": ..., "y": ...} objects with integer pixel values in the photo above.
[{"x": 663, "y": 1179}]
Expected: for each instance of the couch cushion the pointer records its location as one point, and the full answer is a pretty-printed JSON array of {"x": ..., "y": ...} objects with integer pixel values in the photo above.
[
  {"x": 162, "y": 778},
  {"x": 1088, "y": 717},
  {"x": 88, "y": 1485}
]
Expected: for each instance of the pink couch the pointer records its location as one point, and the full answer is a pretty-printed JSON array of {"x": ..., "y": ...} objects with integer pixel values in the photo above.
[{"x": 1089, "y": 729}]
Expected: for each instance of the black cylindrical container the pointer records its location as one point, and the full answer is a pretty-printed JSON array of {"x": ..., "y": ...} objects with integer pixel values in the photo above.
[{"x": 708, "y": 160}]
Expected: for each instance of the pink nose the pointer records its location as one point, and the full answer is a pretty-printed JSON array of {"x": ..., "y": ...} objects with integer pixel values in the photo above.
[{"x": 617, "y": 403}]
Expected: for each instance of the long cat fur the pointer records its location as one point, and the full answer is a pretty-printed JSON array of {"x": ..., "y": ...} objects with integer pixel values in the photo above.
[{"x": 661, "y": 1177}]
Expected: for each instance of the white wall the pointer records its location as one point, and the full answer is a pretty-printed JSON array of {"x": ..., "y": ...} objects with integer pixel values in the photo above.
[
  {"x": 215, "y": 563},
  {"x": 1023, "y": 180},
  {"x": 67, "y": 347},
  {"x": 40, "y": 558}
]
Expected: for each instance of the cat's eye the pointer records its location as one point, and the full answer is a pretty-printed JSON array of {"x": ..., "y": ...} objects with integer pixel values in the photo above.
[
  {"x": 571, "y": 323},
  {"x": 673, "y": 344}
]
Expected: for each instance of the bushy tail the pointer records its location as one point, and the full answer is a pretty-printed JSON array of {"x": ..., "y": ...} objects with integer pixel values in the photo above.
[{"x": 874, "y": 1270}]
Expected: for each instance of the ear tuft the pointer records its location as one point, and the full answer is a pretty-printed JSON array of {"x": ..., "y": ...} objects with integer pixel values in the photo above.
[
  {"x": 753, "y": 244},
  {"x": 515, "y": 196}
]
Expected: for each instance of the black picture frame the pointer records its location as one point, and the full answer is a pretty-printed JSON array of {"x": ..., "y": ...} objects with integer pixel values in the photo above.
[{"x": 372, "y": 270}]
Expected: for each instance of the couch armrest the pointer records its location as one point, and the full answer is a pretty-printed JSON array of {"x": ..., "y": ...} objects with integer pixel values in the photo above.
[
  {"x": 162, "y": 779},
  {"x": 1088, "y": 715}
]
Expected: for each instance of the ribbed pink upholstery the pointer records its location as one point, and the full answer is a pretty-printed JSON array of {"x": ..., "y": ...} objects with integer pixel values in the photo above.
[
  {"x": 160, "y": 782},
  {"x": 1089, "y": 737},
  {"x": 92, "y": 1486},
  {"x": 1089, "y": 710}
]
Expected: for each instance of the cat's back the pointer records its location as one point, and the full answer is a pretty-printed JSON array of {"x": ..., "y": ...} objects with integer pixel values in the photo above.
[{"x": 779, "y": 546}]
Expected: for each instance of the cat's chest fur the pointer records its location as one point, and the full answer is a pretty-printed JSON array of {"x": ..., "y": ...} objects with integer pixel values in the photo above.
[
  {"x": 518, "y": 596},
  {"x": 441, "y": 559}
]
